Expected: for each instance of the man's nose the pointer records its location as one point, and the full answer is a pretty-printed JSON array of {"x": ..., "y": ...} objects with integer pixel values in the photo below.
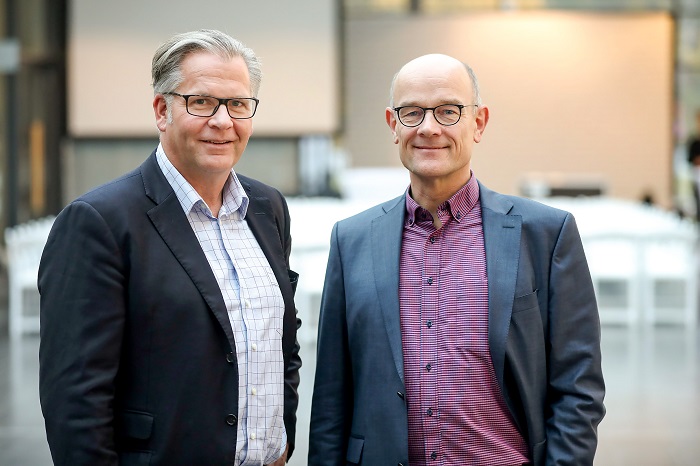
[
  {"x": 221, "y": 117},
  {"x": 429, "y": 123}
]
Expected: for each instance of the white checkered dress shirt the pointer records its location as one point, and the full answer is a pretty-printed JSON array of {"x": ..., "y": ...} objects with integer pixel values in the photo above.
[{"x": 255, "y": 309}]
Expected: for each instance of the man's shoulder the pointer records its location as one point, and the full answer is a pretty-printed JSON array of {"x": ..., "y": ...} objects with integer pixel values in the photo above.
[
  {"x": 528, "y": 209},
  {"x": 135, "y": 191},
  {"x": 117, "y": 190},
  {"x": 384, "y": 218},
  {"x": 367, "y": 215}
]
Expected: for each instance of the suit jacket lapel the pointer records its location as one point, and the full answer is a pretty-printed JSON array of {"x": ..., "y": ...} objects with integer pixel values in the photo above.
[
  {"x": 171, "y": 223},
  {"x": 386, "y": 250},
  {"x": 502, "y": 243},
  {"x": 262, "y": 223}
]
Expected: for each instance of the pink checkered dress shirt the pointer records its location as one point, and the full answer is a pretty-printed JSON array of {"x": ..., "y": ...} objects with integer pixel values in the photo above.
[{"x": 456, "y": 411}]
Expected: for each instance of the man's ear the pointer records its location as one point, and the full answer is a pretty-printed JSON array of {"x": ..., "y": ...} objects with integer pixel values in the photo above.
[
  {"x": 482, "y": 118},
  {"x": 160, "y": 109},
  {"x": 391, "y": 121}
]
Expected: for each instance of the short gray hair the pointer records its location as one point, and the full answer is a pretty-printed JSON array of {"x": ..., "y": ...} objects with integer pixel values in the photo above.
[
  {"x": 165, "y": 69},
  {"x": 476, "y": 94}
]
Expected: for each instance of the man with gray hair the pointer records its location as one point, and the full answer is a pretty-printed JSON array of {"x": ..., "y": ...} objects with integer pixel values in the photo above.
[{"x": 168, "y": 326}]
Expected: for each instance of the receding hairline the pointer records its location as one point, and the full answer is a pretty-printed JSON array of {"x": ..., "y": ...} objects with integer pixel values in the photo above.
[{"x": 435, "y": 57}]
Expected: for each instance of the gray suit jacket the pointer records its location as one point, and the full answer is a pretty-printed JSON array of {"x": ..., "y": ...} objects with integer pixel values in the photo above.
[{"x": 544, "y": 336}]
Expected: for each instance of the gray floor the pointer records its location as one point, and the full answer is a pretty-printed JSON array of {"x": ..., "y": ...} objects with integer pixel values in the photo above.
[{"x": 653, "y": 399}]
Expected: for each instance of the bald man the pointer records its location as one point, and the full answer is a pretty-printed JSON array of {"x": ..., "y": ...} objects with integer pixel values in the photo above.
[{"x": 458, "y": 325}]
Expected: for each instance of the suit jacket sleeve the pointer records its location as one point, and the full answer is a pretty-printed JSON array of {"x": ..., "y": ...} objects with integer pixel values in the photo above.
[
  {"x": 576, "y": 387},
  {"x": 81, "y": 281},
  {"x": 291, "y": 374},
  {"x": 332, "y": 404}
]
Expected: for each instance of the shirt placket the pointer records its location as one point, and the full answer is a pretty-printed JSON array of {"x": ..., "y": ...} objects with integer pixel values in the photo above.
[
  {"x": 430, "y": 411},
  {"x": 256, "y": 414}
]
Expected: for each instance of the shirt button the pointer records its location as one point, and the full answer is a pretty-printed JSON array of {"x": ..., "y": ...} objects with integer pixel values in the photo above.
[
  {"x": 254, "y": 346},
  {"x": 429, "y": 323},
  {"x": 254, "y": 391},
  {"x": 432, "y": 240},
  {"x": 230, "y": 357},
  {"x": 430, "y": 281},
  {"x": 433, "y": 456},
  {"x": 429, "y": 412},
  {"x": 231, "y": 419},
  {"x": 428, "y": 367},
  {"x": 252, "y": 436},
  {"x": 247, "y": 304},
  {"x": 458, "y": 215}
]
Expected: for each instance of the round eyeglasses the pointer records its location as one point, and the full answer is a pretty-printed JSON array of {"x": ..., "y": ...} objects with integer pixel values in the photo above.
[
  {"x": 239, "y": 108},
  {"x": 446, "y": 115}
]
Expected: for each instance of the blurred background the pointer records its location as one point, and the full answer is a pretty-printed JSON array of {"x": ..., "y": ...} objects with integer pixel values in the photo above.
[{"x": 593, "y": 105}]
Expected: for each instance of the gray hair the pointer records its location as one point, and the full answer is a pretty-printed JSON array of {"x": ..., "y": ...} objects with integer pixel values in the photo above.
[
  {"x": 476, "y": 94},
  {"x": 165, "y": 69}
]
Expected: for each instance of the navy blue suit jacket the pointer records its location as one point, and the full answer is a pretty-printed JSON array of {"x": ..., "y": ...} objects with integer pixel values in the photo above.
[{"x": 137, "y": 357}]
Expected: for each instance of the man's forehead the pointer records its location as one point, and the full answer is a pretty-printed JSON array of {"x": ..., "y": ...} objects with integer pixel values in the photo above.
[{"x": 431, "y": 87}]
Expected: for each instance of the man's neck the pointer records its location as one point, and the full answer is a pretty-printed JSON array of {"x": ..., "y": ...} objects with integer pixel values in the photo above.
[{"x": 432, "y": 193}]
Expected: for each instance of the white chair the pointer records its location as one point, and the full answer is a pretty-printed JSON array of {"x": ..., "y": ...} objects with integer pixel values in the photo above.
[
  {"x": 614, "y": 261},
  {"x": 25, "y": 243},
  {"x": 670, "y": 284},
  {"x": 310, "y": 262}
]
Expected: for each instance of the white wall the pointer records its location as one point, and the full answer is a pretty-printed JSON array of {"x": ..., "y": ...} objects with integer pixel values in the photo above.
[
  {"x": 572, "y": 95},
  {"x": 111, "y": 44}
]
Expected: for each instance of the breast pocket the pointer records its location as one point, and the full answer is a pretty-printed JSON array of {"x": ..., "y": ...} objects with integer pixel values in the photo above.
[
  {"x": 525, "y": 302},
  {"x": 526, "y": 332}
]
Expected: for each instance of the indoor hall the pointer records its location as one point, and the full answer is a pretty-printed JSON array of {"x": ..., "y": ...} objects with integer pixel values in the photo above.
[
  {"x": 652, "y": 375},
  {"x": 592, "y": 105}
]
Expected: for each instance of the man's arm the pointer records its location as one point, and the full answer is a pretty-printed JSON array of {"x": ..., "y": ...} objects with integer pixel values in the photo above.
[
  {"x": 332, "y": 405},
  {"x": 81, "y": 282},
  {"x": 576, "y": 388},
  {"x": 291, "y": 374}
]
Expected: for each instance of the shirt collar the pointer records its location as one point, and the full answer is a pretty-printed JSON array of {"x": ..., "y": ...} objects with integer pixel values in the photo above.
[
  {"x": 235, "y": 200},
  {"x": 457, "y": 206}
]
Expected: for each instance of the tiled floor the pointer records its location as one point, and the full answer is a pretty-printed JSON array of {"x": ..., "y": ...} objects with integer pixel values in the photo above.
[{"x": 653, "y": 399}]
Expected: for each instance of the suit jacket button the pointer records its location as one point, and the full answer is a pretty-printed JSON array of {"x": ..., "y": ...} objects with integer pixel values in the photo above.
[
  {"x": 231, "y": 419},
  {"x": 230, "y": 357}
]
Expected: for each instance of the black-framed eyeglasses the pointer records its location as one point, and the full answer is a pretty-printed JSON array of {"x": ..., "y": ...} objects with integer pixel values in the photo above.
[
  {"x": 239, "y": 108},
  {"x": 446, "y": 114}
]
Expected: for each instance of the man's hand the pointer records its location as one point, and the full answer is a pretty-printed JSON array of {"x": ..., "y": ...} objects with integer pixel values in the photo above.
[{"x": 282, "y": 459}]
